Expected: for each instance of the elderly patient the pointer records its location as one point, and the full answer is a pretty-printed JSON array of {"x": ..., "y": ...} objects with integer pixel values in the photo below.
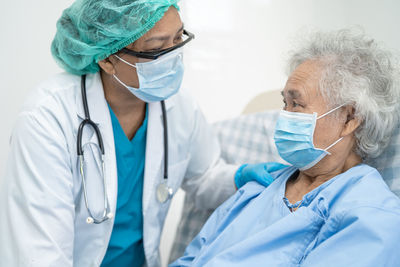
[{"x": 328, "y": 208}]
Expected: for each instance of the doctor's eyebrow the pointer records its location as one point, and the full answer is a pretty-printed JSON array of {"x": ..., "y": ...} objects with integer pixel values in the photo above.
[{"x": 163, "y": 38}]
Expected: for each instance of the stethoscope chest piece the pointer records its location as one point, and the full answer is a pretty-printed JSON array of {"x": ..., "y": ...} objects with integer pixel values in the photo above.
[{"x": 164, "y": 192}]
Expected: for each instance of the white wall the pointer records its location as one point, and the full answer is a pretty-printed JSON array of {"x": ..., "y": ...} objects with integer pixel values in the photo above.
[
  {"x": 26, "y": 30},
  {"x": 238, "y": 52},
  {"x": 241, "y": 46}
]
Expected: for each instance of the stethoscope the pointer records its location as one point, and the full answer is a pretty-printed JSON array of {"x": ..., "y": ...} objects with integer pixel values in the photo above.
[{"x": 163, "y": 192}]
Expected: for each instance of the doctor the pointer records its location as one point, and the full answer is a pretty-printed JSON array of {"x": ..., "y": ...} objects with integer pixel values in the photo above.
[{"x": 97, "y": 152}]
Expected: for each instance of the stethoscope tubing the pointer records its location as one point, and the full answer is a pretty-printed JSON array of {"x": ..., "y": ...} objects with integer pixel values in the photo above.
[{"x": 87, "y": 121}]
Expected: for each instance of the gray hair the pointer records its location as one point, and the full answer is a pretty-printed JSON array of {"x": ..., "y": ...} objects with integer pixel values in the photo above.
[{"x": 356, "y": 71}]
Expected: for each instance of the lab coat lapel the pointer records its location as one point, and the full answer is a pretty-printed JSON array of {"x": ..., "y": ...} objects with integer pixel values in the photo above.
[
  {"x": 99, "y": 113},
  {"x": 154, "y": 164},
  {"x": 154, "y": 153},
  {"x": 96, "y": 101}
]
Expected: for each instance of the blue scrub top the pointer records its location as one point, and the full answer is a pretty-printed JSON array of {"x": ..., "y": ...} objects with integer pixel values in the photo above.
[
  {"x": 126, "y": 243},
  {"x": 351, "y": 220}
]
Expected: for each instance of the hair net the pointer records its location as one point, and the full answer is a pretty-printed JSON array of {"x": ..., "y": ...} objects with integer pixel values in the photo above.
[{"x": 91, "y": 30}]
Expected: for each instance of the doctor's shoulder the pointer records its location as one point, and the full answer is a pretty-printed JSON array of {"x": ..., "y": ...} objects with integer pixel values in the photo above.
[
  {"x": 184, "y": 101},
  {"x": 50, "y": 106},
  {"x": 62, "y": 85},
  {"x": 184, "y": 109}
]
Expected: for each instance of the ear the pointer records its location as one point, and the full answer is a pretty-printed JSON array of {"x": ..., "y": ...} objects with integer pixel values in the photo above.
[
  {"x": 107, "y": 65},
  {"x": 351, "y": 123}
]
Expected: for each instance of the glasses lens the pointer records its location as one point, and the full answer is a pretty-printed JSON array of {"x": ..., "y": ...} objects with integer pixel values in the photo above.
[
  {"x": 184, "y": 38},
  {"x": 149, "y": 56},
  {"x": 143, "y": 60}
]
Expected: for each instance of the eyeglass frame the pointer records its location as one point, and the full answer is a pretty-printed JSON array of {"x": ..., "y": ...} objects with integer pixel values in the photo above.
[{"x": 157, "y": 54}]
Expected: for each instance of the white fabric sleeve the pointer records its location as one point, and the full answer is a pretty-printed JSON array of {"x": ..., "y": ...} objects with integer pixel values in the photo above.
[
  {"x": 37, "y": 222},
  {"x": 209, "y": 179}
]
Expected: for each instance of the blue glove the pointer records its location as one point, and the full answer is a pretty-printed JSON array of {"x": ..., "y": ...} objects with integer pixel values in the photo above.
[{"x": 259, "y": 172}]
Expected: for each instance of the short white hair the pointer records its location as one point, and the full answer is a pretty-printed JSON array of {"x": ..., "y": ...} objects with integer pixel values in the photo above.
[{"x": 356, "y": 71}]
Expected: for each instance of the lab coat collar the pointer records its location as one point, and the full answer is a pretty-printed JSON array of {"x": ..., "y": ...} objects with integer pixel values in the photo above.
[{"x": 96, "y": 100}]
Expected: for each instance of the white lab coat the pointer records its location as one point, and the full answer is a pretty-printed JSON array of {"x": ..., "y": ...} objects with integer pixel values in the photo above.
[{"x": 43, "y": 219}]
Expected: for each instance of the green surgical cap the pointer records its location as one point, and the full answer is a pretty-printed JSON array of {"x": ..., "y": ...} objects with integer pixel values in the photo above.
[{"x": 91, "y": 30}]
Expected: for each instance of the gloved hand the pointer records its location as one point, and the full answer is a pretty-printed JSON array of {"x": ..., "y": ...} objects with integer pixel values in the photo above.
[{"x": 259, "y": 172}]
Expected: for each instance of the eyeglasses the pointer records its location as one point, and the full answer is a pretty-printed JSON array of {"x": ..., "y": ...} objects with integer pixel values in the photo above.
[{"x": 156, "y": 54}]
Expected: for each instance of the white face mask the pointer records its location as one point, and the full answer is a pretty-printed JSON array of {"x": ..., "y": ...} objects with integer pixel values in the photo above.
[{"x": 159, "y": 79}]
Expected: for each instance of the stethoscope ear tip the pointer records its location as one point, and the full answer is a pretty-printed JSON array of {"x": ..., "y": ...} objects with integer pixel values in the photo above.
[
  {"x": 110, "y": 215},
  {"x": 89, "y": 220}
]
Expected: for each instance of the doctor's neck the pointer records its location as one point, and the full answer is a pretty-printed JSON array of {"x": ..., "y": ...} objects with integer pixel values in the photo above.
[
  {"x": 118, "y": 97},
  {"x": 129, "y": 109}
]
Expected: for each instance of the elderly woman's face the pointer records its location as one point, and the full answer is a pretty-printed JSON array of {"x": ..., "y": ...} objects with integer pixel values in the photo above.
[{"x": 301, "y": 94}]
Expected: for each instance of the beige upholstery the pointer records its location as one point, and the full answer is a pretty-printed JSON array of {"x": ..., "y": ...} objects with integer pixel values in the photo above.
[{"x": 264, "y": 101}]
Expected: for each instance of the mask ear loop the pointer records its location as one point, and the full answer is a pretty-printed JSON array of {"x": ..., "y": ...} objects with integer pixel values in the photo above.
[
  {"x": 121, "y": 82},
  {"x": 340, "y": 139},
  {"x": 329, "y": 112},
  {"x": 115, "y": 76},
  {"x": 126, "y": 62},
  {"x": 334, "y": 143}
]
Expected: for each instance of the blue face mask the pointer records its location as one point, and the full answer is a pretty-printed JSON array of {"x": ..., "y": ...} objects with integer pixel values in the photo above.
[
  {"x": 294, "y": 134},
  {"x": 158, "y": 79}
]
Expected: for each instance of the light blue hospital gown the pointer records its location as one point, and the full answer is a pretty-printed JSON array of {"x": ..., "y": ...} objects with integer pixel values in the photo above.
[{"x": 351, "y": 220}]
